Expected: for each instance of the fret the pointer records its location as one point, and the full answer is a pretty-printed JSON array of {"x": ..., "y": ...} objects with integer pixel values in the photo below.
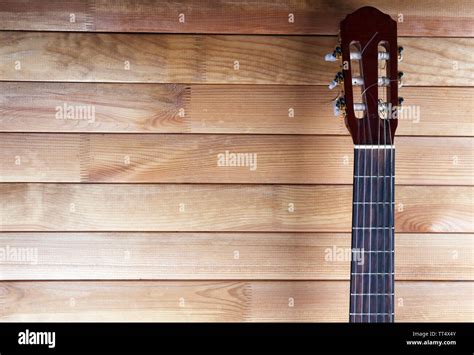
[
  {"x": 373, "y": 228},
  {"x": 373, "y": 314},
  {"x": 372, "y": 273},
  {"x": 370, "y": 217},
  {"x": 372, "y": 294},
  {"x": 365, "y": 239},
  {"x": 380, "y": 283},
  {"x": 373, "y": 203},
  {"x": 373, "y": 251}
]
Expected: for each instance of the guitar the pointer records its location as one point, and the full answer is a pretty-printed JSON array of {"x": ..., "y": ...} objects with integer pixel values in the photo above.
[{"x": 369, "y": 102}]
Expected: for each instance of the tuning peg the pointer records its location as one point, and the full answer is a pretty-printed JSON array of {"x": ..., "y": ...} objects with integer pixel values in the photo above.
[
  {"x": 335, "y": 55},
  {"x": 400, "y": 53},
  {"x": 339, "y": 106},
  {"x": 400, "y": 76},
  {"x": 400, "y": 107},
  {"x": 338, "y": 79}
]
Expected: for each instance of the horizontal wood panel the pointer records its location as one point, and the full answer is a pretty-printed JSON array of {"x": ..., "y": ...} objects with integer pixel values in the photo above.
[
  {"x": 26, "y": 157},
  {"x": 85, "y": 57},
  {"x": 223, "y": 301},
  {"x": 115, "y": 207},
  {"x": 432, "y": 18},
  {"x": 155, "y": 108},
  {"x": 269, "y": 256}
]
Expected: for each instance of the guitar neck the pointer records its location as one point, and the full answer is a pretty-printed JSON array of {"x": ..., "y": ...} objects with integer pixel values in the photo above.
[{"x": 372, "y": 265}]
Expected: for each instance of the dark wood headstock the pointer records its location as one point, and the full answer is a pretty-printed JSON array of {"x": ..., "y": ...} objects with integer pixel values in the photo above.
[{"x": 370, "y": 75}]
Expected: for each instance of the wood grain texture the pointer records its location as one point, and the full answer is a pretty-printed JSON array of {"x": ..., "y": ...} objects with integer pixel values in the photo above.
[
  {"x": 26, "y": 157},
  {"x": 222, "y": 301},
  {"x": 150, "y": 58},
  {"x": 135, "y": 226},
  {"x": 119, "y": 207},
  {"x": 198, "y": 256},
  {"x": 433, "y": 18},
  {"x": 255, "y": 109}
]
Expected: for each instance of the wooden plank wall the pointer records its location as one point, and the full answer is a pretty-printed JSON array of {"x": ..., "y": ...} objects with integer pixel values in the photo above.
[{"x": 121, "y": 212}]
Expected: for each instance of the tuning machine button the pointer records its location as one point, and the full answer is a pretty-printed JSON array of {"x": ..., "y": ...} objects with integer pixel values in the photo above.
[
  {"x": 400, "y": 77},
  {"x": 400, "y": 53},
  {"x": 400, "y": 103},
  {"x": 339, "y": 106},
  {"x": 338, "y": 79},
  {"x": 335, "y": 55}
]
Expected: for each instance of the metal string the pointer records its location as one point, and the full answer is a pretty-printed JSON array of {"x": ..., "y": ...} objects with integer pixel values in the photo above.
[
  {"x": 356, "y": 246},
  {"x": 391, "y": 231},
  {"x": 364, "y": 204}
]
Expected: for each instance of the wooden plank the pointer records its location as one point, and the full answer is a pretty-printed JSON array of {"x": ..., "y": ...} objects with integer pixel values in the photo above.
[
  {"x": 221, "y": 256},
  {"x": 222, "y": 301},
  {"x": 257, "y": 109},
  {"x": 118, "y": 207},
  {"x": 54, "y": 15},
  {"x": 430, "y": 18},
  {"x": 26, "y": 157},
  {"x": 150, "y": 58}
]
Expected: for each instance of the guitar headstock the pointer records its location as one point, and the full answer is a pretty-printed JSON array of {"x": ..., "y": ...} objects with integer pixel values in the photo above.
[{"x": 370, "y": 54}]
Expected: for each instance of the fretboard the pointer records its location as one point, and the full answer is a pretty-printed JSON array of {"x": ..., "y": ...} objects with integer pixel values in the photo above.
[{"x": 372, "y": 265}]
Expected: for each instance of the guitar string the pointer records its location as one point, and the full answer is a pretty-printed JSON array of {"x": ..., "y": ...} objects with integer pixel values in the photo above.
[
  {"x": 356, "y": 252},
  {"x": 362, "y": 245},
  {"x": 369, "y": 205},
  {"x": 377, "y": 241},
  {"x": 380, "y": 162},
  {"x": 389, "y": 160},
  {"x": 363, "y": 155},
  {"x": 391, "y": 231},
  {"x": 364, "y": 204},
  {"x": 383, "y": 220},
  {"x": 364, "y": 191},
  {"x": 371, "y": 223},
  {"x": 364, "y": 194},
  {"x": 356, "y": 219},
  {"x": 391, "y": 225},
  {"x": 358, "y": 289},
  {"x": 386, "y": 222}
]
